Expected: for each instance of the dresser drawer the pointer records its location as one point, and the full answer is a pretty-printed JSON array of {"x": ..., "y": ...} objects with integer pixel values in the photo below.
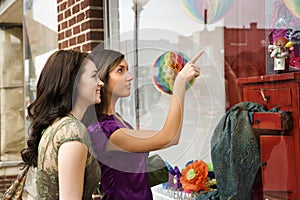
[
  {"x": 281, "y": 97},
  {"x": 272, "y": 121}
]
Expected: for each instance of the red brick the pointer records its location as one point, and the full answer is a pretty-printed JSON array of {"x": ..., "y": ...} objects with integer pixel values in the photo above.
[
  {"x": 76, "y": 29},
  {"x": 72, "y": 41},
  {"x": 71, "y": 2},
  {"x": 75, "y": 9},
  {"x": 61, "y": 36},
  {"x": 77, "y": 48},
  {"x": 64, "y": 44},
  {"x": 64, "y": 25},
  {"x": 91, "y": 13},
  {"x": 86, "y": 47},
  {"x": 11, "y": 177},
  {"x": 60, "y": 17},
  {"x": 80, "y": 17},
  {"x": 5, "y": 182},
  {"x": 59, "y": 27},
  {"x": 94, "y": 35},
  {"x": 84, "y": 4},
  {"x": 85, "y": 25},
  {"x": 95, "y": 24},
  {"x": 80, "y": 21},
  {"x": 72, "y": 21},
  {"x": 94, "y": 44},
  {"x": 95, "y": 3},
  {"x": 62, "y": 7},
  {"x": 81, "y": 39},
  {"x": 68, "y": 33},
  {"x": 67, "y": 13}
]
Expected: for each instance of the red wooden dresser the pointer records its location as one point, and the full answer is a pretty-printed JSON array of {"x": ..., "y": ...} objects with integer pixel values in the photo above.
[{"x": 279, "y": 136}]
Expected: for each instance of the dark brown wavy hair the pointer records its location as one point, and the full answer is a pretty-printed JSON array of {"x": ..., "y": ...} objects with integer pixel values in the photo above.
[{"x": 54, "y": 97}]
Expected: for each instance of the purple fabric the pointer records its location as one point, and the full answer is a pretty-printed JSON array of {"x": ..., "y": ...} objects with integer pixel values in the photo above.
[{"x": 124, "y": 174}]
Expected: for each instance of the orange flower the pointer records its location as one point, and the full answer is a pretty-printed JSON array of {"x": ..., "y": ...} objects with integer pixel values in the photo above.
[{"x": 194, "y": 176}]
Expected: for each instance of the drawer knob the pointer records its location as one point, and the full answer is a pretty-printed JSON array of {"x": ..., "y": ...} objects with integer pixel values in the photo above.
[
  {"x": 265, "y": 97},
  {"x": 256, "y": 121},
  {"x": 264, "y": 164}
]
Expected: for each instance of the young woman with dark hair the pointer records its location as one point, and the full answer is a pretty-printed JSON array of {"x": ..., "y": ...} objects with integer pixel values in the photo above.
[
  {"x": 122, "y": 151},
  {"x": 58, "y": 143}
]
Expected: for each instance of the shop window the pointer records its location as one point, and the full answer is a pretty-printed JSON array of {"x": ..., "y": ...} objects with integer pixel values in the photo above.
[{"x": 235, "y": 36}]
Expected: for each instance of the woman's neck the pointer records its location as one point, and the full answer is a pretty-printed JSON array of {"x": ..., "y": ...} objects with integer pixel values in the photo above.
[
  {"x": 110, "y": 108},
  {"x": 78, "y": 111}
]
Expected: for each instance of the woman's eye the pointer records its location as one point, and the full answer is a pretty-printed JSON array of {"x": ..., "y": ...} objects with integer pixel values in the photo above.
[
  {"x": 95, "y": 76},
  {"x": 120, "y": 70}
]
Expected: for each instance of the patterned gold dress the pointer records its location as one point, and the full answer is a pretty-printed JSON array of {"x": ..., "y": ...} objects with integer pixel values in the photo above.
[{"x": 64, "y": 130}]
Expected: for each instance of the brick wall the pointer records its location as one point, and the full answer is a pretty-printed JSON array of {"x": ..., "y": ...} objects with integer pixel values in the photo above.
[
  {"x": 80, "y": 24},
  {"x": 8, "y": 174},
  {"x": 5, "y": 182}
]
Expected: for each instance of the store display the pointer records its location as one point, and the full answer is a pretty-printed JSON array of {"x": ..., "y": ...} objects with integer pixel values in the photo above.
[
  {"x": 293, "y": 6},
  {"x": 165, "y": 70},
  {"x": 285, "y": 29},
  {"x": 206, "y": 11},
  {"x": 280, "y": 51}
]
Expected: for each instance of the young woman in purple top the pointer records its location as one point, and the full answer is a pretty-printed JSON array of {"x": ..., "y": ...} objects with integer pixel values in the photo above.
[{"x": 122, "y": 151}]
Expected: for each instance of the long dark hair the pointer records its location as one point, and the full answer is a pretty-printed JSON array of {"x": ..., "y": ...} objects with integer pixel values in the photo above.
[
  {"x": 54, "y": 97},
  {"x": 105, "y": 61}
]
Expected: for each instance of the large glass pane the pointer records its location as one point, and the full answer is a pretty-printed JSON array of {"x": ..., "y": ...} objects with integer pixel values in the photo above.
[
  {"x": 246, "y": 43},
  {"x": 149, "y": 35},
  {"x": 40, "y": 35}
]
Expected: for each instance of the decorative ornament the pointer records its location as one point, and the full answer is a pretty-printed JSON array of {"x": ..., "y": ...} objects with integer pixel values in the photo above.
[
  {"x": 293, "y": 6},
  {"x": 194, "y": 177},
  {"x": 166, "y": 68},
  {"x": 206, "y": 11}
]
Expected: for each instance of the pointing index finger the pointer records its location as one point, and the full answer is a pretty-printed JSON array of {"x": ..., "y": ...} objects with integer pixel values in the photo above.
[{"x": 196, "y": 57}]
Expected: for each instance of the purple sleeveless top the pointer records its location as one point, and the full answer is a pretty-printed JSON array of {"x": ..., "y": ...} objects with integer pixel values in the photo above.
[{"x": 123, "y": 174}]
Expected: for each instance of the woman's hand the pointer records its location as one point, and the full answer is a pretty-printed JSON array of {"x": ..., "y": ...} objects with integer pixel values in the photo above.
[{"x": 190, "y": 70}]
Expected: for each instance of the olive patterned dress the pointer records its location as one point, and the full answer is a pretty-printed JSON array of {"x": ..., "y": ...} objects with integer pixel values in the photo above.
[{"x": 64, "y": 130}]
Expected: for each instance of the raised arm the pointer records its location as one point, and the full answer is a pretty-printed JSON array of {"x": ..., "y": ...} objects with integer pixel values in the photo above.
[{"x": 144, "y": 140}]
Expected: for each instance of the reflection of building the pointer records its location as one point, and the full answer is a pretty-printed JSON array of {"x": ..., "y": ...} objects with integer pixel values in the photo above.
[
  {"x": 245, "y": 50},
  {"x": 237, "y": 40}
]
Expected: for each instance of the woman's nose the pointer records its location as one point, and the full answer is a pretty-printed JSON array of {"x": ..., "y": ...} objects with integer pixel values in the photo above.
[
  {"x": 100, "y": 83},
  {"x": 129, "y": 76}
]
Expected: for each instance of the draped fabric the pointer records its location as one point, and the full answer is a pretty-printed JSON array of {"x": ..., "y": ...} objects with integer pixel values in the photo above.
[{"x": 235, "y": 152}]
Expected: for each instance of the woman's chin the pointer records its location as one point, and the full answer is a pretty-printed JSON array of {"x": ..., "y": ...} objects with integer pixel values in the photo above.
[
  {"x": 127, "y": 95},
  {"x": 98, "y": 101}
]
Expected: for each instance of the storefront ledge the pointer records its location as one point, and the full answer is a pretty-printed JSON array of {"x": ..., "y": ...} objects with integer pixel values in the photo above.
[
  {"x": 10, "y": 163},
  {"x": 10, "y": 168}
]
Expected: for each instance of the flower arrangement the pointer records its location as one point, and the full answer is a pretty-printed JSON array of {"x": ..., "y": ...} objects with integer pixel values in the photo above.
[
  {"x": 194, "y": 177},
  {"x": 174, "y": 178},
  {"x": 197, "y": 177}
]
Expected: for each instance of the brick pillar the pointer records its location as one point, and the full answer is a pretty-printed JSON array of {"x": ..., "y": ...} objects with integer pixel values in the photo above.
[{"x": 80, "y": 24}]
